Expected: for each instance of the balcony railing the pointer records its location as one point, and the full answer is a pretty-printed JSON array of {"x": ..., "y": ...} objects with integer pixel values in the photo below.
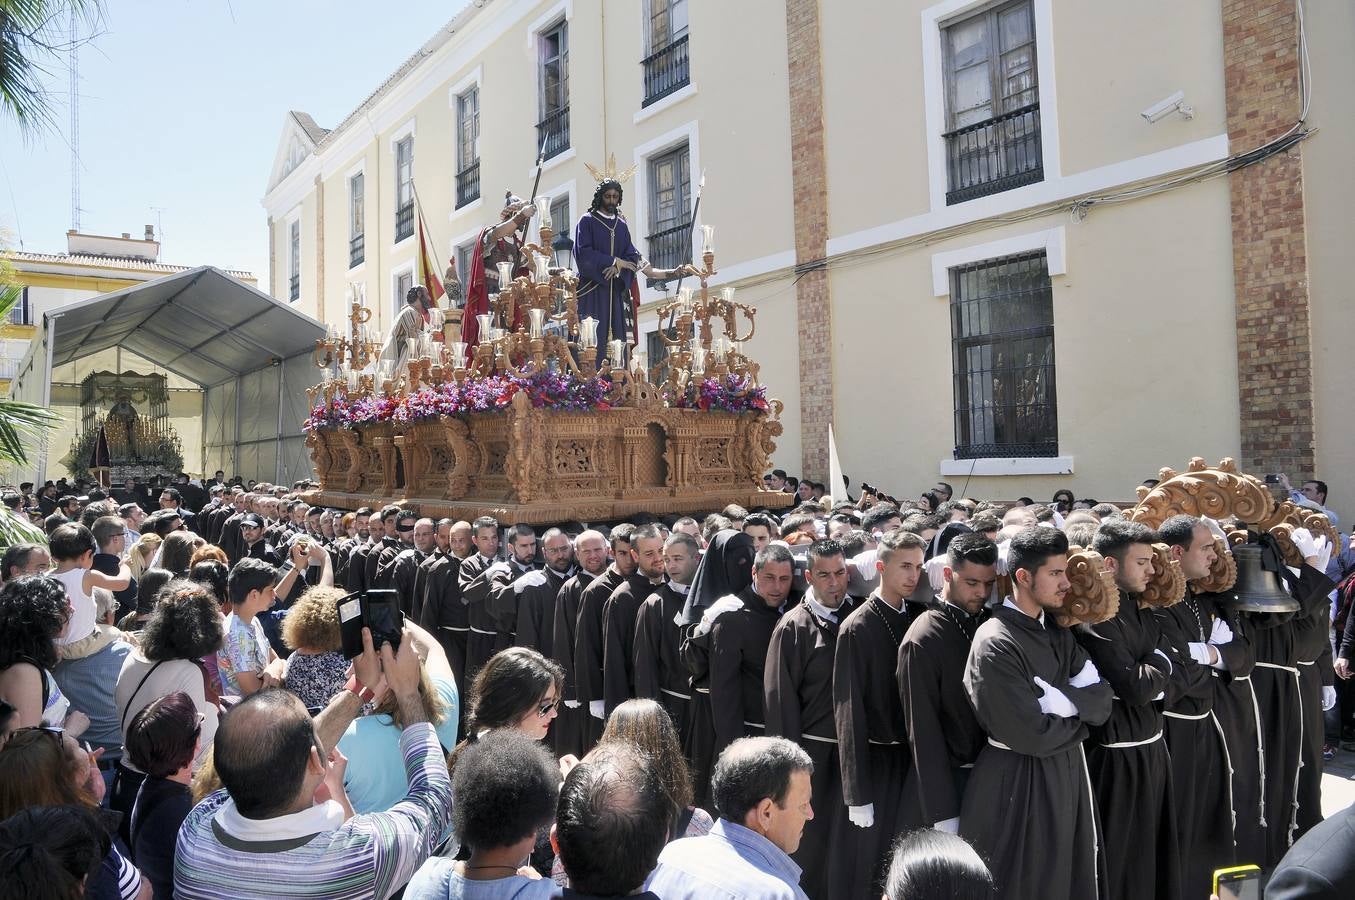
[
  {"x": 357, "y": 249},
  {"x": 468, "y": 184},
  {"x": 404, "y": 221},
  {"x": 671, "y": 247},
  {"x": 553, "y": 132},
  {"x": 995, "y": 155},
  {"x": 294, "y": 287},
  {"x": 666, "y": 70}
]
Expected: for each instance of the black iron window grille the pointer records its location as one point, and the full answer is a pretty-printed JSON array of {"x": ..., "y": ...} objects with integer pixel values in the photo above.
[
  {"x": 468, "y": 184},
  {"x": 994, "y": 156},
  {"x": 669, "y": 248},
  {"x": 1002, "y": 334},
  {"x": 357, "y": 248},
  {"x": 294, "y": 287},
  {"x": 666, "y": 71},
  {"x": 553, "y": 132},
  {"x": 404, "y": 221}
]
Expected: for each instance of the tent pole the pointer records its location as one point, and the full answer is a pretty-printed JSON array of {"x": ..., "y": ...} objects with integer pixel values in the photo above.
[
  {"x": 278, "y": 452},
  {"x": 235, "y": 451},
  {"x": 45, "y": 440}
]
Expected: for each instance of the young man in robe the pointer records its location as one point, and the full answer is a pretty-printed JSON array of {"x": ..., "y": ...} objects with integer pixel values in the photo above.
[
  {"x": 944, "y": 737},
  {"x": 481, "y": 634},
  {"x": 660, "y": 673},
  {"x": 405, "y": 567},
  {"x": 872, "y": 738},
  {"x": 1206, "y": 652},
  {"x": 537, "y": 592},
  {"x": 588, "y": 638},
  {"x": 798, "y": 688},
  {"x": 620, "y": 610},
  {"x": 590, "y": 551},
  {"x": 1028, "y": 807},
  {"x": 608, "y": 264},
  {"x": 1128, "y": 760},
  {"x": 500, "y": 599}
]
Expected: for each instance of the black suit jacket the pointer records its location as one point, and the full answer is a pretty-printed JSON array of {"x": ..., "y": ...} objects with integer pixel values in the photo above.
[{"x": 1321, "y": 864}]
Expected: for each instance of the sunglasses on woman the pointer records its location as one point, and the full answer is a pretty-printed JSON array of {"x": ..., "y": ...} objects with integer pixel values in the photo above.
[{"x": 545, "y": 708}]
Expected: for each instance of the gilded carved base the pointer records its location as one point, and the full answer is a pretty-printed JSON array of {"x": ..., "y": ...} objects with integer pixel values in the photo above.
[{"x": 539, "y": 466}]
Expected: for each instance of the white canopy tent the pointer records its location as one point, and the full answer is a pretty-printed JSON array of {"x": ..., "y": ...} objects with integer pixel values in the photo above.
[{"x": 251, "y": 354}]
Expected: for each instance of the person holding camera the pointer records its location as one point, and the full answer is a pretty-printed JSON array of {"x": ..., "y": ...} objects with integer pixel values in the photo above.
[{"x": 282, "y": 825}]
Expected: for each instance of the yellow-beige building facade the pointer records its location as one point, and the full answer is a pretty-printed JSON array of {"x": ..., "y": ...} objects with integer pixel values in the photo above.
[{"x": 1015, "y": 246}]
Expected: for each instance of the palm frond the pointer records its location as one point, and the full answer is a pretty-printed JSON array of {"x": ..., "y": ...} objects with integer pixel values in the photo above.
[{"x": 20, "y": 424}]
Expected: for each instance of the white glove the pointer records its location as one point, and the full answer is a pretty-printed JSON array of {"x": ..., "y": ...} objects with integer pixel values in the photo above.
[
  {"x": 1328, "y": 697},
  {"x": 1220, "y": 634},
  {"x": 1002, "y": 549},
  {"x": 597, "y": 709},
  {"x": 935, "y": 568},
  {"x": 1310, "y": 546},
  {"x": 1323, "y": 555},
  {"x": 1054, "y": 702},
  {"x": 728, "y": 603},
  {"x": 1215, "y": 529},
  {"x": 1058, "y": 520},
  {"x": 1201, "y": 653},
  {"x": 949, "y": 825},
  {"x": 1167, "y": 658},
  {"x": 1087, "y": 677},
  {"x": 499, "y": 568},
  {"x": 862, "y": 816},
  {"x": 573, "y": 704}
]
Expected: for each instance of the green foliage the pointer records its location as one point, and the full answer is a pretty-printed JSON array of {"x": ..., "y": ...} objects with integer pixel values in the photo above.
[{"x": 33, "y": 35}]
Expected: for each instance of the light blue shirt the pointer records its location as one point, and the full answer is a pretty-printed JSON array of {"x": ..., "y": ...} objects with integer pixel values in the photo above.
[
  {"x": 375, "y": 777},
  {"x": 729, "y": 863},
  {"x": 88, "y": 684},
  {"x": 438, "y": 879}
]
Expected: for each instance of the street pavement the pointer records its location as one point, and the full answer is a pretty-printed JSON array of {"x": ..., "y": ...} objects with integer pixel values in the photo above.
[{"x": 1338, "y": 783}]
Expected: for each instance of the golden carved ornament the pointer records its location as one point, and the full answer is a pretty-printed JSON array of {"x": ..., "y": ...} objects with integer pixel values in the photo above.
[
  {"x": 1092, "y": 596},
  {"x": 1222, "y": 572},
  {"x": 1167, "y": 585},
  {"x": 1220, "y": 492}
]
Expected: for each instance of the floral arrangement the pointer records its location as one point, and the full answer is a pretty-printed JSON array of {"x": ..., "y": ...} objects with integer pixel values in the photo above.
[
  {"x": 731, "y": 393},
  {"x": 565, "y": 390}
]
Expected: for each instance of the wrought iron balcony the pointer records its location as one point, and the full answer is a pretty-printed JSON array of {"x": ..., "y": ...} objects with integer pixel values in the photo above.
[
  {"x": 357, "y": 249},
  {"x": 294, "y": 287},
  {"x": 468, "y": 184},
  {"x": 666, "y": 70},
  {"x": 670, "y": 247},
  {"x": 404, "y": 221},
  {"x": 995, "y": 155},
  {"x": 553, "y": 132}
]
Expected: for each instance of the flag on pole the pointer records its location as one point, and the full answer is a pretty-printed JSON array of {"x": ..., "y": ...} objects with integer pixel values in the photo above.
[
  {"x": 428, "y": 270},
  {"x": 837, "y": 482}
]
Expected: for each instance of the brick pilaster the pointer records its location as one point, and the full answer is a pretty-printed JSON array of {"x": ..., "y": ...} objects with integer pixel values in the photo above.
[
  {"x": 809, "y": 183},
  {"x": 1270, "y": 261}
]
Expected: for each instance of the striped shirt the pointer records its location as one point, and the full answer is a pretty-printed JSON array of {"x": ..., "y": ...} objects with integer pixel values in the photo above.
[{"x": 370, "y": 855}]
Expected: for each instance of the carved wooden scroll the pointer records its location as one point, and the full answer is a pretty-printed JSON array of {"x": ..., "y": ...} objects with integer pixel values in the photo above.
[
  {"x": 1222, "y": 573},
  {"x": 1168, "y": 584},
  {"x": 1092, "y": 597}
]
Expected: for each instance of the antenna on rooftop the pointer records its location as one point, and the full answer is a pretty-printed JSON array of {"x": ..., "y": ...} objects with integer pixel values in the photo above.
[{"x": 75, "y": 123}]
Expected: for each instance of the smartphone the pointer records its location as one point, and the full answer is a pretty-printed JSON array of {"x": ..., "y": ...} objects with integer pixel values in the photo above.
[
  {"x": 1238, "y": 883},
  {"x": 376, "y": 609},
  {"x": 1272, "y": 478}
]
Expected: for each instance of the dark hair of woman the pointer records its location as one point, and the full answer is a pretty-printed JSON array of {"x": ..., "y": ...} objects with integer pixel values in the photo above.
[
  {"x": 214, "y": 575},
  {"x": 511, "y": 685},
  {"x": 185, "y": 623},
  {"x": 176, "y": 551},
  {"x": 33, "y": 610},
  {"x": 38, "y": 767},
  {"x": 162, "y": 738},
  {"x": 645, "y": 724},
  {"x": 929, "y": 863},
  {"x": 148, "y": 587},
  {"x": 47, "y": 852}
]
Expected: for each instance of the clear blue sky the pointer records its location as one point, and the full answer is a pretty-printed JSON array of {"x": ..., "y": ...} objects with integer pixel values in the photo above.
[{"x": 181, "y": 107}]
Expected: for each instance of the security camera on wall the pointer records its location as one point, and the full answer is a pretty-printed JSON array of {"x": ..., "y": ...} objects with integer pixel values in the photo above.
[{"x": 1163, "y": 108}]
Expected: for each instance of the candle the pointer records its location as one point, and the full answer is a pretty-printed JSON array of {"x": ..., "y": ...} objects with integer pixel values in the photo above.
[
  {"x": 736, "y": 348},
  {"x": 542, "y": 270},
  {"x": 698, "y": 361},
  {"x": 536, "y": 321},
  {"x": 684, "y": 296},
  {"x": 458, "y": 354},
  {"x": 588, "y": 333},
  {"x": 505, "y": 274},
  {"x": 707, "y": 239},
  {"x": 694, "y": 343},
  {"x": 543, "y": 211},
  {"x": 717, "y": 350},
  {"x": 352, "y": 380},
  {"x": 495, "y": 334},
  {"x": 412, "y": 348},
  {"x": 362, "y": 294},
  {"x": 436, "y": 319},
  {"x": 483, "y": 320},
  {"x": 348, "y": 294},
  {"x": 616, "y": 352},
  {"x": 727, "y": 294}
]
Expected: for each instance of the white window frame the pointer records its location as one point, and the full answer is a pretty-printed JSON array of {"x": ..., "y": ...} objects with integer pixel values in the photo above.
[
  {"x": 398, "y": 300},
  {"x": 407, "y": 130},
  {"x": 563, "y": 10},
  {"x": 293, "y": 220},
  {"x": 1053, "y": 242},
  {"x": 355, "y": 171},
  {"x": 566, "y": 189},
  {"x": 689, "y": 133},
  {"x": 934, "y": 19}
]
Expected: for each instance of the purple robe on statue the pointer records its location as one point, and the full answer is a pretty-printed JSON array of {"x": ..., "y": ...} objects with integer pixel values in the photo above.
[{"x": 598, "y": 240}]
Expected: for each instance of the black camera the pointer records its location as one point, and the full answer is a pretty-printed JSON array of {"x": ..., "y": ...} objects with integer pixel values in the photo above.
[{"x": 377, "y": 609}]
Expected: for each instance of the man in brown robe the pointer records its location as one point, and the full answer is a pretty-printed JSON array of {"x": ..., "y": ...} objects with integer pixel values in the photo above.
[
  {"x": 481, "y": 633},
  {"x": 1028, "y": 807},
  {"x": 537, "y": 593},
  {"x": 588, "y": 645},
  {"x": 590, "y": 551},
  {"x": 944, "y": 737},
  {"x": 798, "y": 688},
  {"x": 619, "y": 614},
  {"x": 660, "y": 673}
]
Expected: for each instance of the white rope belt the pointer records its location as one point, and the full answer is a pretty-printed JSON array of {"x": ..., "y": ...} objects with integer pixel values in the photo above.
[
  {"x": 1125, "y": 745},
  {"x": 999, "y": 745},
  {"x": 676, "y": 694},
  {"x": 1290, "y": 669},
  {"x": 705, "y": 691},
  {"x": 453, "y": 628},
  {"x": 482, "y": 631},
  {"x": 1241, "y": 677},
  {"x": 1177, "y": 715},
  {"x": 885, "y": 743},
  {"x": 821, "y": 740},
  {"x": 1307, "y": 662}
]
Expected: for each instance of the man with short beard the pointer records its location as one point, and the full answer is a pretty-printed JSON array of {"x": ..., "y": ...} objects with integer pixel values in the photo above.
[
  {"x": 474, "y": 591},
  {"x": 588, "y": 637},
  {"x": 442, "y": 531},
  {"x": 385, "y": 546},
  {"x": 660, "y": 673},
  {"x": 230, "y": 540},
  {"x": 536, "y": 593},
  {"x": 442, "y": 613},
  {"x": 404, "y": 570},
  {"x": 1129, "y": 765},
  {"x": 590, "y": 550},
  {"x": 399, "y": 538},
  {"x": 944, "y": 737},
  {"x": 620, "y": 611},
  {"x": 798, "y": 690},
  {"x": 501, "y": 601}
]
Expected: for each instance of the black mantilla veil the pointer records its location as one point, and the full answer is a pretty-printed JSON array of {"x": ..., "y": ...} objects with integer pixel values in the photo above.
[
  {"x": 726, "y": 568},
  {"x": 603, "y": 187}
]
